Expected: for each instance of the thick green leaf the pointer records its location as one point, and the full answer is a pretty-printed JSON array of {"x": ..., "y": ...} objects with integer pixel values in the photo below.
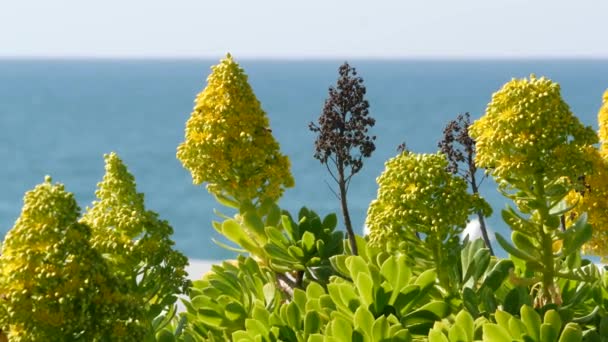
[
  {"x": 435, "y": 335},
  {"x": 269, "y": 291},
  {"x": 277, "y": 237},
  {"x": 502, "y": 318},
  {"x": 274, "y": 215},
  {"x": 380, "y": 329},
  {"x": 517, "y": 328},
  {"x": 577, "y": 235},
  {"x": 314, "y": 290},
  {"x": 293, "y": 315},
  {"x": 365, "y": 286},
  {"x": 255, "y": 224},
  {"x": 457, "y": 333},
  {"x": 235, "y": 311},
  {"x": 499, "y": 273},
  {"x": 548, "y": 333},
  {"x": 165, "y": 336},
  {"x": 330, "y": 221},
  {"x": 571, "y": 333},
  {"x": 341, "y": 329},
  {"x": 524, "y": 243},
  {"x": 290, "y": 227},
  {"x": 338, "y": 262},
  {"x": 363, "y": 320},
  {"x": 426, "y": 279},
  {"x": 295, "y": 252},
  {"x": 495, "y": 333},
  {"x": 470, "y": 301},
  {"x": 312, "y": 323},
  {"x": 299, "y": 297},
  {"x": 511, "y": 303},
  {"x": 317, "y": 338},
  {"x": 225, "y": 201},
  {"x": 234, "y": 232},
  {"x": 516, "y": 252},
  {"x": 256, "y": 327},
  {"x": 465, "y": 321},
  {"x": 532, "y": 321},
  {"x": 308, "y": 242},
  {"x": 396, "y": 273},
  {"x": 553, "y": 318},
  {"x": 357, "y": 265}
]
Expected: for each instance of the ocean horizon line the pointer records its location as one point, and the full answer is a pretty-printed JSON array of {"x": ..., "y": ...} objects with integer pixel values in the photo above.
[{"x": 422, "y": 58}]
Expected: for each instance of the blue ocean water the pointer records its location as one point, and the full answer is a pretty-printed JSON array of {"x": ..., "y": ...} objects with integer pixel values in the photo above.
[{"x": 58, "y": 117}]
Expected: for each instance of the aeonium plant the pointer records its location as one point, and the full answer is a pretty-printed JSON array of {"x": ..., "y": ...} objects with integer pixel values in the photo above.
[
  {"x": 535, "y": 148},
  {"x": 420, "y": 202},
  {"x": 55, "y": 286}
]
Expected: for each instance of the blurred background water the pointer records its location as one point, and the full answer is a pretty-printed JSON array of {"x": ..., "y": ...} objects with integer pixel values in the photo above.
[{"x": 58, "y": 118}]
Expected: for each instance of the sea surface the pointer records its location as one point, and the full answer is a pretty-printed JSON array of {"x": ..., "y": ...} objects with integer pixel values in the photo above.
[{"x": 58, "y": 118}]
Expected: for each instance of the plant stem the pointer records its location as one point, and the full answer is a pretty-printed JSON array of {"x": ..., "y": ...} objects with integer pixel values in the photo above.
[
  {"x": 475, "y": 189},
  {"x": 546, "y": 241},
  {"x": 345, "y": 213},
  {"x": 441, "y": 273}
]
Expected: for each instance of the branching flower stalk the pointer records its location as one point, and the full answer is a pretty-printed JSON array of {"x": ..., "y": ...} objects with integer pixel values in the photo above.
[
  {"x": 343, "y": 139},
  {"x": 459, "y": 148}
]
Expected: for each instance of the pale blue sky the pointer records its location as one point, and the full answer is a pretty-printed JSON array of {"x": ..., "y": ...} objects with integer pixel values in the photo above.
[{"x": 305, "y": 28}]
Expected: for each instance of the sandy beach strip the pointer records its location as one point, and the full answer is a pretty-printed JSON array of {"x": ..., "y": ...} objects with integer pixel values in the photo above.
[{"x": 197, "y": 268}]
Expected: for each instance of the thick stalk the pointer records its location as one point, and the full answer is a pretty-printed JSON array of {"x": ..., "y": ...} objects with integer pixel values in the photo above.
[
  {"x": 345, "y": 214},
  {"x": 441, "y": 273},
  {"x": 475, "y": 189},
  {"x": 546, "y": 241}
]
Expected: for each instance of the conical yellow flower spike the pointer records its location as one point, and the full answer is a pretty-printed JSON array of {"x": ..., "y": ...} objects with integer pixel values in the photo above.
[
  {"x": 54, "y": 284},
  {"x": 136, "y": 242},
  {"x": 228, "y": 142}
]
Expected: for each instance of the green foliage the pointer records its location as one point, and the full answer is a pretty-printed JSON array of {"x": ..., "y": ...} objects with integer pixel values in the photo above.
[
  {"x": 372, "y": 300},
  {"x": 219, "y": 304},
  {"x": 529, "y": 326},
  {"x": 301, "y": 249}
]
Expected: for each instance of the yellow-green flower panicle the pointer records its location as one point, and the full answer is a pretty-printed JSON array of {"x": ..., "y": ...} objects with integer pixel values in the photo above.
[
  {"x": 528, "y": 130},
  {"x": 417, "y": 194},
  {"x": 228, "y": 142},
  {"x": 593, "y": 197},
  {"x": 593, "y": 200},
  {"x": 55, "y": 286},
  {"x": 603, "y": 123},
  {"x": 135, "y": 241}
]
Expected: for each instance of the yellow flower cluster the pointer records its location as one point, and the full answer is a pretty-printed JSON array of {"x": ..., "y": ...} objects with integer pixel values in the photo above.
[
  {"x": 594, "y": 198},
  {"x": 603, "y": 123},
  {"x": 54, "y": 284},
  {"x": 228, "y": 141},
  {"x": 417, "y": 194},
  {"x": 135, "y": 241},
  {"x": 594, "y": 201},
  {"x": 527, "y": 130}
]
